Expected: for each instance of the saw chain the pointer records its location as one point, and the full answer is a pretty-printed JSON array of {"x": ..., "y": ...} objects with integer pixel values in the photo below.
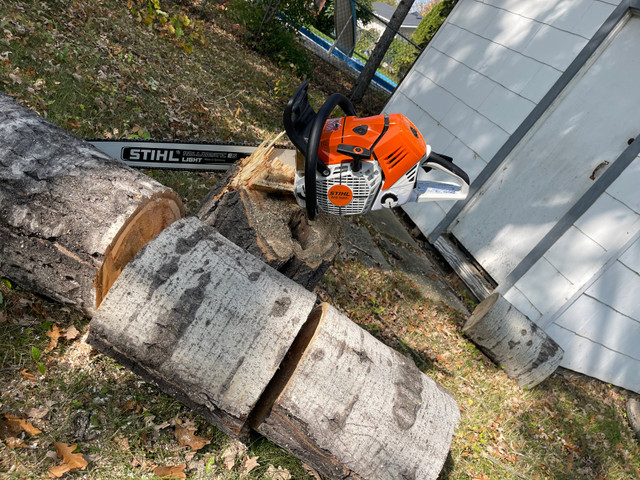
[{"x": 174, "y": 155}]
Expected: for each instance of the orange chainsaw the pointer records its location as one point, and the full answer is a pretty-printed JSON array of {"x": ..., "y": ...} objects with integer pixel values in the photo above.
[{"x": 351, "y": 165}]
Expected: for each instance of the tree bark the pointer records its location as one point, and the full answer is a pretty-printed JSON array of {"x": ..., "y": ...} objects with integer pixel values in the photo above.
[
  {"x": 254, "y": 207},
  {"x": 204, "y": 319},
  {"x": 69, "y": 214},
  {"x": 357, "y": 409},
  {"x": 229, "y": 336},
  {"x": 507, "y": 336},
  {"x": 369, "y": 70}
]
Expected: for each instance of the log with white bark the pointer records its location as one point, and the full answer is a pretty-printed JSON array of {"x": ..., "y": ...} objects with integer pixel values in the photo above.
[
  {"x": 228, "y": 336},
  {"x": 357, "y": 409},
  {"x": 204, "y": 319},
  {"x": 509, "y": 338},
  {"x": 254, "y": 207},
  {"x": 69, "y": 214}
]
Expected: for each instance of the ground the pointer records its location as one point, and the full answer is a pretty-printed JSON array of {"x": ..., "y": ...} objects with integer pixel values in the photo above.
[{"x": 97, "y": 70}]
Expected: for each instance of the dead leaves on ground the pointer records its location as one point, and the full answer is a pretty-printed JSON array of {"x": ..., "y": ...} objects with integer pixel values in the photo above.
[
  {"x": 172, "y": 472},
  {"x": 55, "y": 333},
  {"x": 70, "y": 461},
  {"x": 12, "y": 427},
  {"x": 185, "y": 432}
]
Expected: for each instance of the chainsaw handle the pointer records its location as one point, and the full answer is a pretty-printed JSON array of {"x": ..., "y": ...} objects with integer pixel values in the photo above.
[
  {"x": 298, "y": 116},
  {"x": 429, "y": 190},
  {"x": 447, "y": 166},
  {"x": 311, "y": 157}
]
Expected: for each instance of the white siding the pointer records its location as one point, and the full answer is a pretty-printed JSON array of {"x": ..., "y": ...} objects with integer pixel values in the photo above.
[
  {"x": 485, "y": 70},
  {"x": 585, "y": 289}
]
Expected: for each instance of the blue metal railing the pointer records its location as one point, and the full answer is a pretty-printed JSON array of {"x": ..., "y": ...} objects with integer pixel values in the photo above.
[{"x": 379, "y": 79}]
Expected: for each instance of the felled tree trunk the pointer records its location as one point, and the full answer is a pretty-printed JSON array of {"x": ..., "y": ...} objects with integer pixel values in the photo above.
[
  {"x": 356, "y": 409},
  {"x": 70, "y": 215},
  {"x": 511, "y": 340},
  {"x": 254, "y": 208},
  {"x": 243, "y": 346},
  {"x": 205, "y": 320}
]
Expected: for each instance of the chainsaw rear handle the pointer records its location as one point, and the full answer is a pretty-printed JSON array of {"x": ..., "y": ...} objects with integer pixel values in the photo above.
[
  {"x": 429, "y": 190},
  {"x": 447, "y": 165}
]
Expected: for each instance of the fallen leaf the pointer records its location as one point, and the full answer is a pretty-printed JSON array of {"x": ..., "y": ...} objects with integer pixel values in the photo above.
[
  {"x": 37, "y": 413},
  {"x": 231, "y": 453},
  {"x": 123, "y": 443},
  {"x": 14, "y": 442},
  {"x": 71, "y": 333},
  {"x": 29, "y": 376},
  {"x": 17, "y": 425},
  {"x": 278, "y": 473},
  {"x": 311, "y": 471},
  {"x": 249, "y": 464},
  {"x": 15, "y": 78},
  {"x": 70, "y": 461},
  {"x": 54, "y": 335},
  {"x": 186, "y": 435},
  {"x": 176, "y": 471},
  {"x": 131, "y": 405}
]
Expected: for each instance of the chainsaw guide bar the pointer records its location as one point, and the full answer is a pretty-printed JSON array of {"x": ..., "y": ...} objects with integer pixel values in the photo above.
[{"x": 175, "y": 155}]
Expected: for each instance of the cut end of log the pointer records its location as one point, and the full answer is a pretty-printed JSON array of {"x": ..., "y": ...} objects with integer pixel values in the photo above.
[
  {"x": 481, "y": 310},
  {"x": 151, "y": 217}
]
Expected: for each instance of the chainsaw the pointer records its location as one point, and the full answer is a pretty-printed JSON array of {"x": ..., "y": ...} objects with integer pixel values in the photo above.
[
  {"x": 344, "y": 166},
  {"x": 351, "y": 165}
]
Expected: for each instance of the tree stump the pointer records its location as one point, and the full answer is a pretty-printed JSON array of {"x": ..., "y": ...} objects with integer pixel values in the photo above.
[
  {"x": 357, "y": 409},
  {"x": 204, "y": 319},
  {"x": 511, "y": 340},
  {"x": 69, "y": 214},
  {"x": 254, "y": 207}
]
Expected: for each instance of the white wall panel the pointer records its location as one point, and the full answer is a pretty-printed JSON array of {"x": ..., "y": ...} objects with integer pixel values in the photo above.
[
  {"x": 609, "y": 222},
  {"x": 555, "y": 47},
  {"x": 545, "y": 286},
  {"x": 597, "y": 322},
  {"x": 618, "y": 288},
  {"x": 577, "y": 256},
  {"x": 505, "y": 108},
  {"x": 596, "y": 360},
  {"x": 631, "y": 258}
]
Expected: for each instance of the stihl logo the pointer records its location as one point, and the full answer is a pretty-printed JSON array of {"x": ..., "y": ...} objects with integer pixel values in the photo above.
[
  {"x": 151, "y": 154},
  {"x": 340, "y": 195}
]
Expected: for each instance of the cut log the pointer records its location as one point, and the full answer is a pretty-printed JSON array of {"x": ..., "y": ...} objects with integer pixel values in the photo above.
[
  {"x": 205, "y": 320},
  {"x": 510, "y": 339},
  {"x": 228, "y": 336},
  {"x": 68, "y": 211},
  {"x": 356, "y": 409},
  {"x": 254, "y": 207}
]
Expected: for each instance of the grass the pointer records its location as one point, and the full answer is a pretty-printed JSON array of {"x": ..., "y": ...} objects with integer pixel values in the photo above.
[{"x": 94, "y": 69}]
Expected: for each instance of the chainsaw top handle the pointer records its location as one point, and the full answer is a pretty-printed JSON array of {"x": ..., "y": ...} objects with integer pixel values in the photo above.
[{"x": 304, "y": 127}]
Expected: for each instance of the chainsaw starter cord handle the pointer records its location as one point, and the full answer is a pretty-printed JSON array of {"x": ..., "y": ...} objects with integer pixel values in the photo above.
[{"x": 311, "y": 157}]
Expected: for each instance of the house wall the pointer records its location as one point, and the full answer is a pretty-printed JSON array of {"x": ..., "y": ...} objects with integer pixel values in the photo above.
[
  {"x": 484, "y": 72},
  {"x": 472, "y": 92},
  {"x": 584, "y": 290}
]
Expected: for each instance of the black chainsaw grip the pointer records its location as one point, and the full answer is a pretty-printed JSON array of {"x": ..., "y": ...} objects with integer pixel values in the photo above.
[
  {"x": 298, "y": 116},
  {"x": 447, "y": 163},
  {"x": 311, "y": 157}
]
